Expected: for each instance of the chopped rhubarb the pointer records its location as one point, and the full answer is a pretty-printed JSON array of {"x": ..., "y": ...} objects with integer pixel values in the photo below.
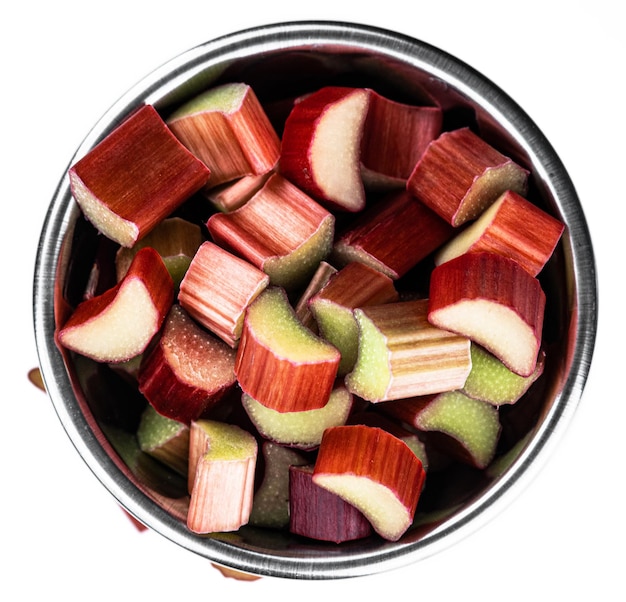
[
  {"x": 227, "y": 129},
  {"x": 494, "y": 302},
  {"x": 280, "y": 363},
  {"x": 322, "y": 515},
  {"x": 395, "y": 135},
  {"x": 231, "y": 195},
  {"x": 460, "y": 175},
  {"x": 321, "y": 146},
  {"x": 120, "y": 323},
  {"x": 280, "y": 230},
  {"x": 300, "y": 429},
  {"x": 165, "y": 439},
  {"x": 401, "y": 354},
  {"x": 393, "y": 236},
  {"x": 135, "y": 178},
  {"x": 356, "y": 285},
  {"x": 222, "y": 463},
  {"x": 175, "y": 239},
  {"x": 512, "y": 226},
  {"x": 319, "y": 279},
  {"x": 375, "y": 472},
  {"x": 270, "y": 505},
  {"x": 469, "y": 428},
  {"x": 217, "y": 289},
  {"x": 187, "y": 371}
]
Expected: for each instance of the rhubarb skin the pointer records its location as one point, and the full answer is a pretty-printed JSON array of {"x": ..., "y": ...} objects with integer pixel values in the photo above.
[
  {"x": 355, "y": 285},
  {"x": 393, "y": 236},
  {"x": 512, "y": 226},
  {"x": 280, "y": 363},
  {"x": 222, "y": 466},
  {"x": 120, "y": 323},
  {"x": 375, "y": 472},
  {"x": 319, "y": 514},
  {"x": 321, "y": 142},
  {"x": 187, "y": 371},
  {"x": 460, "y": 175},
  {"x": 494, "y": 302},
  {"x": 395, "y": 135},
  {"x": 227, "y": 128},
  {"x": 217, "y": 289},
  {"x": 280, "y": 230},
  {"x": 136, "y": 177},
  {"x": 401, "y": 354}
]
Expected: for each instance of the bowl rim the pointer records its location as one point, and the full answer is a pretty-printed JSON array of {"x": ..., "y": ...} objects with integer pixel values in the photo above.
[{"x": 157, "y": 88}]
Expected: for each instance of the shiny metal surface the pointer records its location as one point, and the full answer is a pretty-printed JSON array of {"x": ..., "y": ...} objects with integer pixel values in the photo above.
[{"x": 304, "y": 54}]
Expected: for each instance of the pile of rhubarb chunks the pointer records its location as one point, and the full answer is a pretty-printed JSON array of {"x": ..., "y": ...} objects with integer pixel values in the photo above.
[{"x": 290, "y": 331}]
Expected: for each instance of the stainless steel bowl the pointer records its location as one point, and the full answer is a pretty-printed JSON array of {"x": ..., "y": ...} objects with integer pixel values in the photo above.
[{"x": 281, "y": 60}]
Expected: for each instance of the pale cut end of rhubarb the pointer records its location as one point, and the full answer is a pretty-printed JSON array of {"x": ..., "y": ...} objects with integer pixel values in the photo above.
[
  {"x": 222, "y": 463},
  {"x": 301, "y": 430},
  {"x": 280, "y": 230},
  {"x": 319, "y": 514},
  {"x": 355, "y": 285},
  {"x": 227, "y": 128},
  {"x": 473, "y": 423},
  {"x": 321, "y": 146},
  {"x": 374, "y": 471},
  {"x": 281, "y": 363},
  {"x": 175, "y": 239},
  {"x": 137, "y": 176},
  {"x": 491, "y": 381},
  {"x": 460, "y": 175},
  {"x": 165, "y": 439},
  {"x": 512, "y": 226},
  {"x": 494, "y": 302},
  {"x": 270, "y": 507},
  {"x": 217, "y": 289},
  {"x": 118, "y": 325},
  {"x": 401, "y": 354}
]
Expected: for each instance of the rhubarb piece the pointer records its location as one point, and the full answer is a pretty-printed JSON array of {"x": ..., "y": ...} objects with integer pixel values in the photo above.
[
  {"x": 512, "y": 226},
  {"x": 321, "y": 143},
  {"x": 231, "y": 195},
  {"x": 319, "y": 279},
  {"x": 490, "y": 380},
  {"x": 270, "y": 505},
  {"x": 393, "y": 236},
  {"x": 217, "y": 289},
  {"x": 187, "y": 371},
  {"x": 280, "y": 230},
  {"x": 322, "y": 515},
  {"x": 460, "y": 175},
  {"x": 227, "y": 129},
  {"x": 300, "y": 429},
  {"x": 280, "y": 363},
  {"x": 401, "y": 354},
  {"x": 175, "y": 239},
  {"x": 373, "y": 417},
  {"x": 493, "y": 301},
  {"x": 375, "y": 472},
  {"x": 136, "y": 177},
  {"x": 356, "y": 285},
  {"x": 118, "y": 324},
  {"x": 222, "y": 462},
  {"x": 470, "y": 428},
  {"x": 395, "y": 135},
  {"x": 165, "y": 439}
]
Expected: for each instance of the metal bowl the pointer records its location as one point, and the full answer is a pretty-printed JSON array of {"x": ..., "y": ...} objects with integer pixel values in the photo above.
[{"x": 280, "y": 61}]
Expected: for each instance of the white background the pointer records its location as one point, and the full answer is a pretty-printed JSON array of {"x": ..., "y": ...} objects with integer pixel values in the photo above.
[{"x": 64, "y": 63}]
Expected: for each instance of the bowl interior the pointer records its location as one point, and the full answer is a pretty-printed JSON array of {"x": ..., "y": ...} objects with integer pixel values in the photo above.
[{"x": 100, "y": 411}]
